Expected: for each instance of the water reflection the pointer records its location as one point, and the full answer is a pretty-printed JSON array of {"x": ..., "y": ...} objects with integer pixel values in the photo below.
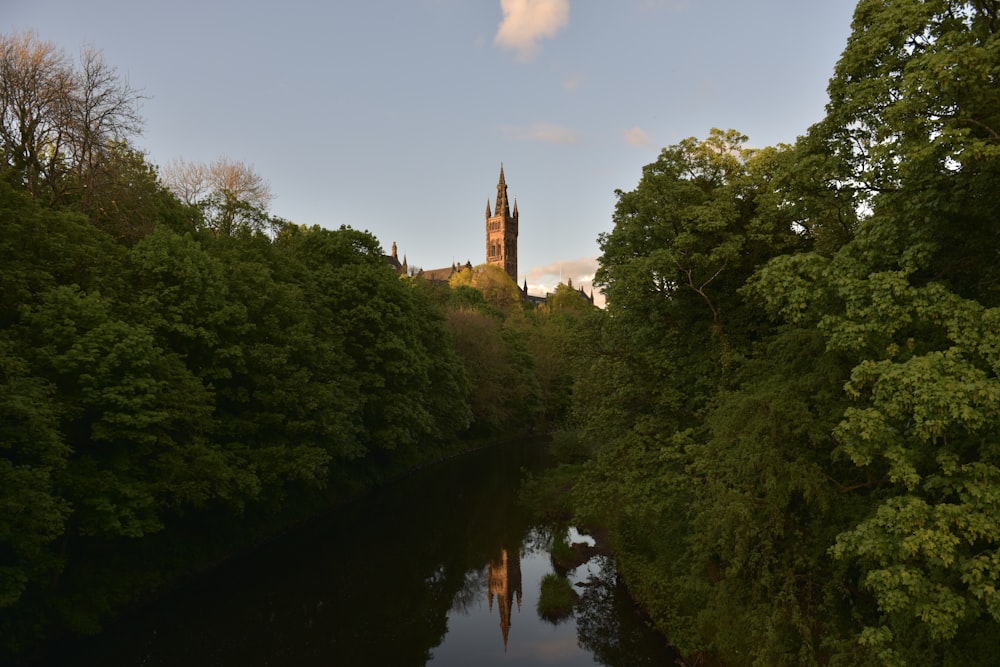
[
  {"x": 504, "y": 584},
  {"x": 443, "y": 568}
]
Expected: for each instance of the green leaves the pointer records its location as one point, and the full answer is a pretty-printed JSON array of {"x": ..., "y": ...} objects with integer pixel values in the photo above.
[
  {"x": 191, "y": 377},
  {"x": 934, "y": 560},
  {"x": 32, "y": 453},
  {"x": 866, "y": 469}
]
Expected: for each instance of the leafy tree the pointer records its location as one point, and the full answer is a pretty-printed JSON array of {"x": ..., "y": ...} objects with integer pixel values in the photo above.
[
  {"x": 497, "y": 288},
  {"x": 556, "y": 335},
  {"x": 125, "y": 406},
  {"x": 32, "y": 453},
  {"x": 126, "y": 198},
  {"x": 910, "y": 300},
  {"x": 158, "y": 377},
  {"x": 504, "y": 391},
  {"x": 684, "y": 242},
  {"x": 184, "y": 296},
  {"x": 566, "y": 299},
  {"x": 684, "y": 416},
  {"x": 386, "y": 331}
]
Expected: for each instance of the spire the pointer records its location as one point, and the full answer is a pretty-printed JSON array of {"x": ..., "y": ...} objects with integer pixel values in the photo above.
[
  {"x": 502, "y": 208},
  {"x": 394, "y": 256},
  {"x": 501, "y": 230}
]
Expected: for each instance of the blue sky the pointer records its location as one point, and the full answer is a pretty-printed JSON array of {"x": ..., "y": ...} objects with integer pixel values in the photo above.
[{"x": 394, "y": 116}]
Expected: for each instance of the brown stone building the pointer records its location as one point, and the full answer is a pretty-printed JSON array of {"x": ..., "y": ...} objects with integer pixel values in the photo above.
[
  {"x": 501, "y": 231},
  {"x": 501, "y": 246},
  {"x": 501, "y": 241}
]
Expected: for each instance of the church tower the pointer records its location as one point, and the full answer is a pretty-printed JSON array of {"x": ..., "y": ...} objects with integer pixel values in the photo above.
[{"x": 501, "y": 231}]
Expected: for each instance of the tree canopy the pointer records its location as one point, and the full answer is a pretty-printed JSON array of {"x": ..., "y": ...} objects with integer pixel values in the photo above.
[
  {"x": 181, "y": 372},
  {"x": 798, "y": 351},
  {"x": 793, "y": 396}
]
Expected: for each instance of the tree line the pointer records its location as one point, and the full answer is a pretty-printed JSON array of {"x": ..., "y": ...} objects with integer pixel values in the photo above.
[
  {"x": 792, "y": 399},
  {"x": 797, "y": 371},
  {"x": 182, "y": 372}
]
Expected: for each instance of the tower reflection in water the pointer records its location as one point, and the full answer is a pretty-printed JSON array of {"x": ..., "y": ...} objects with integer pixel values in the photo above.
[{"x": 504, "y": 584}]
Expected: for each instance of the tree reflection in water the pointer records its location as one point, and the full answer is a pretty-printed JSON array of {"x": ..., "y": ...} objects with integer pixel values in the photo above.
[
  {"x": 391, "y": 581},
  {"x": 609, "y": 625},
  {"x": 600, "y": 625}
]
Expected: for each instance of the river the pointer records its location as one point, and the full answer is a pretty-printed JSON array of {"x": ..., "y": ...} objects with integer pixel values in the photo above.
[{"x": 442, "y": 568}]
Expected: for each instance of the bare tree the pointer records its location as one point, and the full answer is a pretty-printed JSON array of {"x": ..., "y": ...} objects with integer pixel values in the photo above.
[
  {"x": 187, "y": 180},
  {"x": 34, "y": 84},
  {"x": 233, "y": 197},
  {"x": 57, "y": 121},
  {"x": 104, "y": 110}
]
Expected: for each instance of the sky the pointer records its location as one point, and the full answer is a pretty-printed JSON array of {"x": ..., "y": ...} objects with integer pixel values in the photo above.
[{"x": 395, "y": 116}]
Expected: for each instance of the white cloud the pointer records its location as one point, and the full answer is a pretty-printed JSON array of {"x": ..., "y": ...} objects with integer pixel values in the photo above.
[
  {"x": 525, "y": 22},
  {"x": 543, "y": 279},
  {"x": 577, "y": 269},
  {"x": 637, "y": 136},
  {"x": 549, "y": 132}
]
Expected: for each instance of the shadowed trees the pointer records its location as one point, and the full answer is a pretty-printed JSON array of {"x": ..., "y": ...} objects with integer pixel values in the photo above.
[{"x": 798, "y": 359}]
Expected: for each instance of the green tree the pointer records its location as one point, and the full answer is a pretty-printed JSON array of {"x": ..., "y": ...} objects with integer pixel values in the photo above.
[
  {"x": 125, "y": 405},
  {"x": 556, "y": 333},
  {"x": 504, "y": 393},
  {"x": 497, "y": 288},
  {"x": 126, "y": 199},
  {"x": 32, "y": 453},
  {"x": 566, "y": 299},
  {"x": 681, "y": 414},
  {"x": 391, "y": 337},
  {"x": 911, "y": 300}
]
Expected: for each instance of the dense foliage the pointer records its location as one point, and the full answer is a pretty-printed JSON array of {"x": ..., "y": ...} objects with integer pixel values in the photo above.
[
  {"x": 793, "y": 397},
  {"x": 180, "y": 377},
  {"x": 799, "y": 357}
]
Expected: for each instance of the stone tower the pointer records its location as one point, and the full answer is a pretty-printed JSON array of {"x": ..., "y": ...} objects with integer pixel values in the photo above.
[{"x": 501, "y": 231}]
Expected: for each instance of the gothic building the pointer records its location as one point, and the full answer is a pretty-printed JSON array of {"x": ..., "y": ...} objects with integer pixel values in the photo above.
[
  {"x": 501, "y": 247},
  {"x": 501, "y": 231}
]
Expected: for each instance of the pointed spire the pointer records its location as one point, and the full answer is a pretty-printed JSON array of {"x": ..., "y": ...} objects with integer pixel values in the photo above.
[
  {"x": 525, "y": 290},
  {"x": 488, "y": 214},
  {"x": 502, "y": 207},
  {"x": 515, "y": 207}
]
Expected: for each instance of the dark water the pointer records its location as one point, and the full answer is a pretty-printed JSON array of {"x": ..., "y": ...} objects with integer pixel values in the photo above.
[{"x": 443, "y": 568}]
